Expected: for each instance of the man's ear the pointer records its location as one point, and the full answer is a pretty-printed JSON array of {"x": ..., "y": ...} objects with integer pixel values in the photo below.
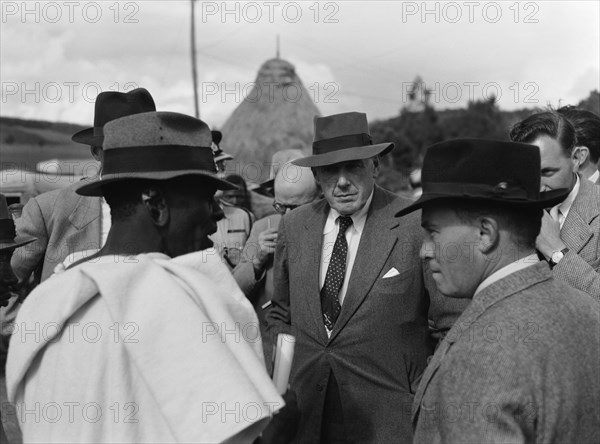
[
  {"x": 315, "y": 172},
  {"x": 376, "y": 167},
  {"x": 156, "y": 204},
  {"x": 97, "y": 153},
  {"x": 579, "y": 156},
  {"x": 489, "y": 234}
]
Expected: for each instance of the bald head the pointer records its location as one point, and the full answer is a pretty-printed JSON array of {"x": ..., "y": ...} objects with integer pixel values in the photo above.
[{"x": 295, "y": 185}]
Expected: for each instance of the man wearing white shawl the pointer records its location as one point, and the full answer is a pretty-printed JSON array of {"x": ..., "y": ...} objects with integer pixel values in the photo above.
[{"x": 150, "y": 340}]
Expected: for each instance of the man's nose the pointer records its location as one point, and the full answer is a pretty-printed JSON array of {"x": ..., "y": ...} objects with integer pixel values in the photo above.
[
  {"x": 427, "y": 249},
  {"x": 342, "y": 181}
]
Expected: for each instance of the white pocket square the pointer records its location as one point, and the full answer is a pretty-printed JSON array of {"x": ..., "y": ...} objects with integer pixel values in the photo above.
[{"x": 391, "y": 273}]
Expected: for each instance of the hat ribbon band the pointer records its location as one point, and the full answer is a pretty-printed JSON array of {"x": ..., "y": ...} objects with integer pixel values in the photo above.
[
  {"x": 7, "y": 230},
  {"x": 143, "y": 159},
  {"x": 476, "y": 190},
  {"x": 325, "y": 146}
]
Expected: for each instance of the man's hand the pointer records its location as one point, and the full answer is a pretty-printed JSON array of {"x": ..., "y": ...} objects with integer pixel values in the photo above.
[
  {"x": 549, "y": 241},
  {"x": 267, "y": 240}
]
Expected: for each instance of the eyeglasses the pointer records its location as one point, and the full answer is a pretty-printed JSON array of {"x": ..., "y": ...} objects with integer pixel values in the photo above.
[{"x": 282, "y": 208}]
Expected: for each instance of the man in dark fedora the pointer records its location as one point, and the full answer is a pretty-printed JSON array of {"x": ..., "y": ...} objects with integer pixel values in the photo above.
[
  {"x": 570, "y": 235},
  {"x": 63, "y": 222},
  {"x": 349, "y": 285},
  {"x": 175, "y": 354},
  {"x": 521, "y": 363}
]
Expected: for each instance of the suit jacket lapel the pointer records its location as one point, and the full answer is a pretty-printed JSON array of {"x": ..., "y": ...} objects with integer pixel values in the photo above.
[
  {"x": 312, "y": 244},
  {"x": 576, "y": 230},
  {"x": 376, "y": 243}
]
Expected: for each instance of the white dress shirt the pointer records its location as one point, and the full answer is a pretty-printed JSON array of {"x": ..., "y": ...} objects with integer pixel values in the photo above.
[
  {"x": 104, "y": 222},
  {"x": 564, "y": 207},
  {"x": 353, "y": 235},
  {"x": 505, "y": 271}
]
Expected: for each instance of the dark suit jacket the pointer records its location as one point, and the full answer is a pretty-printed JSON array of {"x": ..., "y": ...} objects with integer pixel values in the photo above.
[
  {"x": 380, "y": 343},
  {"x": 63, "y": 222},
  {"x": 521, "y": 365},
  {"x": 580, "y": 232}
]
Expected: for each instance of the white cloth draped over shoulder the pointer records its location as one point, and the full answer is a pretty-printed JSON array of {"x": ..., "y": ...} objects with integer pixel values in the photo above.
[{"x": 140, "y": 349}]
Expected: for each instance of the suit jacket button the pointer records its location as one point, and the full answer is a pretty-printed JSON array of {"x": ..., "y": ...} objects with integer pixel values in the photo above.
[{"x": 319, "y": 388}]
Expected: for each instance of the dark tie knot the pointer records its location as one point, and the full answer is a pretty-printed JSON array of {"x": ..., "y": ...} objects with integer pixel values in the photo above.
[{"x": 345, "y": 222}]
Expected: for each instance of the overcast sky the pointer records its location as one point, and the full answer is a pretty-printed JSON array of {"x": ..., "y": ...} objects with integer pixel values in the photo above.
[{"x": 56, "y": 56}]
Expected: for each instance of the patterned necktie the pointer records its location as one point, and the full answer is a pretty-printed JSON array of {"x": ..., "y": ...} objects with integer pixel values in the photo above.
[{"x": 330, "y": 304}]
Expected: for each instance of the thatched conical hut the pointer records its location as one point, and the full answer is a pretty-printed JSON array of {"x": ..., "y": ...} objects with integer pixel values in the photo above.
[{"x": 277, "y": 114}]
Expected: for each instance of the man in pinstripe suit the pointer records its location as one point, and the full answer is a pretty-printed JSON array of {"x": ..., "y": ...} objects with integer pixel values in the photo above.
[{"x": 521, "y": 364}]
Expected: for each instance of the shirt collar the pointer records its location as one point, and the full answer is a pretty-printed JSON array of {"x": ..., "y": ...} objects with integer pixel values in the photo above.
[
  {"x": 358, "y": 219},
  {"x": 566, "y": 204},
  {"x": 508, "y": 269}
]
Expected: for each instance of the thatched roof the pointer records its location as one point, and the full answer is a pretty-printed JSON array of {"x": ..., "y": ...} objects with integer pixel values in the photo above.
[{"x": 277, "y": 114}]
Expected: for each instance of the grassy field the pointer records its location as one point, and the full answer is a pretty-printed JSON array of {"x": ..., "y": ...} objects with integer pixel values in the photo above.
[{"x": 24, "y": 143}]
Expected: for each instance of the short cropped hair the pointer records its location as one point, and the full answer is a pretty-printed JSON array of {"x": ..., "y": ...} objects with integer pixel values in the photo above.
[
  {"x": 587, "y": 128},
  {"x": 124, "y": 196},
  {"x": 523, "y": 224},
  {"x": 547, "y": 123}
]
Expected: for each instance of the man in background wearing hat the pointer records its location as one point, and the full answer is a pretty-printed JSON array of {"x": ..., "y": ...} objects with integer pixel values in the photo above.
[
  {"x": 521, "y": 364},
  {"x": 349, "y": 285},
  {"x": 233, "y": 230},
  {"x": 293, "y": 186},
  {"x": 8, "y": 242},
  {"x": 570, "y": 235},
  {"x": 159, "y": 366},
  {"x": 62, "y": 221}
]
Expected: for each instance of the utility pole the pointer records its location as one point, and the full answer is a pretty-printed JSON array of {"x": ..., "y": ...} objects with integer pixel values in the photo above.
[{"x": 194, "y": 75}]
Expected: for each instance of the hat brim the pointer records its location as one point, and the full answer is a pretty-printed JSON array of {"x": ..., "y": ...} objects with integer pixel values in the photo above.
[
  {"x": 94, "y": 188},
  {"x": 18, "y": 242},
  {"x": 223, "y": 156},
  {"x": 265, "y": 188},
  {"x": 87, "y": 137},
  {"x": 344, "y": 155},
  {"x": 547, "y": 199}
]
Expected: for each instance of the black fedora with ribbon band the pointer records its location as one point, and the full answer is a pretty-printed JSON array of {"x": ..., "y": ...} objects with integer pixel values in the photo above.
[
  {"x": 156, "y": 146},
  {"x": 8, "y": 235},
  {"x": 111, "y": 105},
  {"x": 484, "y": 170},
  {"x": 340, "y": 138}
]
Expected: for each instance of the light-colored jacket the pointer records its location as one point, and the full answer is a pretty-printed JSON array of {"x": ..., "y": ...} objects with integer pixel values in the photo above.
[{"x": 63, "y": 222}]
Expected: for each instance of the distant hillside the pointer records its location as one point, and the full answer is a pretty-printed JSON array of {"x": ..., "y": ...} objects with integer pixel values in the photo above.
[{"x": 24, "y": 143}]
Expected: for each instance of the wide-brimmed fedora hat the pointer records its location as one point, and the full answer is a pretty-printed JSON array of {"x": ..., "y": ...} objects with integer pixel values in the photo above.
[
  {"x": 484, "y": 170},
  {"x": 8, "y": 235},
  {"x": 157, "y": 146},
  {"x": 340, "y": 138},
  {"x": 111, "y": 105}
]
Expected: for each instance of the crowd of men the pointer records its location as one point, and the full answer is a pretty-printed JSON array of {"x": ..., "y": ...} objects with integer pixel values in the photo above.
[{"x": 471, "y": 315}]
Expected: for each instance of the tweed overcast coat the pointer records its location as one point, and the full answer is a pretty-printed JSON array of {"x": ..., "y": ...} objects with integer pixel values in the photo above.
[{"x": 521, "y": 365}]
